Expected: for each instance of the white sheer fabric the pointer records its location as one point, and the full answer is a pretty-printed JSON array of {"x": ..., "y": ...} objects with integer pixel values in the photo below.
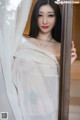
[
  {"x": 13, "y": 17},
  {"x": 36, "y": 78},
  {"x": 40, "y": 90}
]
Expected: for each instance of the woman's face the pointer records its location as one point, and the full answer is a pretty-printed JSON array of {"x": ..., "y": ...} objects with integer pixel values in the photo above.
[{"x": 46, "y": 19}]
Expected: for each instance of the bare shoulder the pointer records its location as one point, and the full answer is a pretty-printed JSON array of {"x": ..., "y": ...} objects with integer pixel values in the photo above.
[
  {"x": 31, "y": 39},
  {"x": 57, "y": 46}
]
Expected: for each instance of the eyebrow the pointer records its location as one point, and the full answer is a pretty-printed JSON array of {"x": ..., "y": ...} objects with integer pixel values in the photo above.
[{"x": 48, "y": 12}]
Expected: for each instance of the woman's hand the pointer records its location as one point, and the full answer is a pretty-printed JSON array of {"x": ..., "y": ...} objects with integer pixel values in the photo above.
[{"x": 73, "y": 53}]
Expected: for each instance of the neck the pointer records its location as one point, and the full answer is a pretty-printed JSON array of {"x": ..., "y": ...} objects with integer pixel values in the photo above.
[{"x": 44, "y": 37}]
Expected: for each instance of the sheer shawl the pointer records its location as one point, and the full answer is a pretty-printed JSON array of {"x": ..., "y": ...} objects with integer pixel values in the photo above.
[
  {"x": 13, "y": 17},
  {"x": 36, "y": 79}
]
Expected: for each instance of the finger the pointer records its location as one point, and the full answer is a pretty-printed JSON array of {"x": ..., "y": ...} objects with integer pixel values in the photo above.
[
  {"x": 73, "y": 50},
  {"x": 73, "y": 55},
  {"x": 73, "y": 58},
  {"x": 72, "y": 44}
]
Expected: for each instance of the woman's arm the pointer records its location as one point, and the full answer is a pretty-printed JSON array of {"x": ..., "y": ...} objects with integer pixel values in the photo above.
[{"x": 73, "y": 53}]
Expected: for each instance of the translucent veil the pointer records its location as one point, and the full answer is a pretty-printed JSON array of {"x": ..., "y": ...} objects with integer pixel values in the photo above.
[{"x": 13, "y": 17}]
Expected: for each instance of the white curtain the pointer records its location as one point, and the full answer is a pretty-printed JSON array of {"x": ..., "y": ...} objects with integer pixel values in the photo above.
[{"x": 13, "y": 18}]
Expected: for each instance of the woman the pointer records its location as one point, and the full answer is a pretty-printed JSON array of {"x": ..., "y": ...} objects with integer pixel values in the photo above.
[{"x": 36, "y": 67}]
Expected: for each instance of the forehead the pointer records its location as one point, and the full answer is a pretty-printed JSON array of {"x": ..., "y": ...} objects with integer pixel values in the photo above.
[{"x": 46, "y": 8}]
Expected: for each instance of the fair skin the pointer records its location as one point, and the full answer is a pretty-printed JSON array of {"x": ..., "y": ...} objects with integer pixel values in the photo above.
[{"x": 46, "y": 21}]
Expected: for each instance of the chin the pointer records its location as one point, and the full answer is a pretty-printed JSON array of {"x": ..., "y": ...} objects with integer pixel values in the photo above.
[{"x": 45, "y": 31}]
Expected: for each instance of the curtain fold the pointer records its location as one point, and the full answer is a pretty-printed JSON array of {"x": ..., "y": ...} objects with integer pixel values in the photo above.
[{"x": 13, "y": 18}]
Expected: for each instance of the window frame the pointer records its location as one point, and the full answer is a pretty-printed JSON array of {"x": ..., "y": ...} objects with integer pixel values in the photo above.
[{"x": 65, "y": 61}]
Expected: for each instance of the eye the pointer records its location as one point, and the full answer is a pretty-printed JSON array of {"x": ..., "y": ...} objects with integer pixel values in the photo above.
[
  {"x": 51, "y": 15},
  {"x": 40, "y": 15}
]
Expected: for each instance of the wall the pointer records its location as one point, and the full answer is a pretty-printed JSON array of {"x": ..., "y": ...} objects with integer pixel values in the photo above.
[{"x": 76, "y": 28}]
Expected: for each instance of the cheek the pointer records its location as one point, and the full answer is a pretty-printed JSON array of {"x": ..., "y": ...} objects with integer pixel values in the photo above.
[
  {"x": 52, "y": 22},
  {"x": 39, "y": 21}
]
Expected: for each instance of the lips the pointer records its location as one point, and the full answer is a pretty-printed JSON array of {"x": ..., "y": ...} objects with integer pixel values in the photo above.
[{"x": 45, "y": 27}]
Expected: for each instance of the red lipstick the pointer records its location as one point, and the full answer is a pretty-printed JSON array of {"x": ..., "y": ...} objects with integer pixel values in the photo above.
[{"x": 45, "y": 27}]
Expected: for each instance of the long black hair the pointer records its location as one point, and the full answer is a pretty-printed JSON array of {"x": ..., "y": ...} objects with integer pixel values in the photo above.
[{"x": 34, "y": 29}]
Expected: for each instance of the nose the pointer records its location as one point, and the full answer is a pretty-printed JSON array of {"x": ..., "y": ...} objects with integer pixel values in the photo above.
[{"x": 45, "y": 20}]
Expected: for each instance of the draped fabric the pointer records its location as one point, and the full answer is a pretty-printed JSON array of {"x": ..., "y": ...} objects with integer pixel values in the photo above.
[
  {"x": 29, "y": 76},
  {"x": 36, "y": 79},
  {"x": 13, "y": 18}
]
